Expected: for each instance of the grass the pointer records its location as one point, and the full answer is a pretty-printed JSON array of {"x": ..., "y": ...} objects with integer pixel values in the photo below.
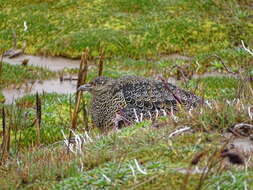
[
  {"x": 218, "y": 87},
  {"x": 132, "y": 29},
  {"x": 14, "y": 75},
  {"x": 50, "y": 166},
  {"x": 140, "y": 37},
  {"x": 18, "y": 74}
]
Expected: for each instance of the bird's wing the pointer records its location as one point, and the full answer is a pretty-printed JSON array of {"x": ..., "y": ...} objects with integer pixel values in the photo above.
[
  {"x": 144, "y": 97},
  {"x": 152, "y": 96}
]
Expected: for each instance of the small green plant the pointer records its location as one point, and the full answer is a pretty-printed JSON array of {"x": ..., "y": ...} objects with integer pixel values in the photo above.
[{"x": 18, "y": 74}]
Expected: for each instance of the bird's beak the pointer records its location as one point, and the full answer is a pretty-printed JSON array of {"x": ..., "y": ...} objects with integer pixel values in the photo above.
[{"x": 85, "y": 87}]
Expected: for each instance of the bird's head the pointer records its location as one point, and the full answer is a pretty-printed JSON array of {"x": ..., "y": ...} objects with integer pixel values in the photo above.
[{"x": 97, "y": 85}]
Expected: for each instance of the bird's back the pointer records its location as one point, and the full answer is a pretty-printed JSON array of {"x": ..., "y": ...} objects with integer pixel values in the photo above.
[
  {"x": 149, "y": 98},
  {"x": 132, "y": 98}
]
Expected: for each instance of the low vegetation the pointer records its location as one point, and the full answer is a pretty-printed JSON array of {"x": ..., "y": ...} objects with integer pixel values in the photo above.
[
  {"x": 18, "y": 74},
  {"x": 109, "y": 161},
  {"x": 135, "y": 28},
  {"x": 190, "y": 41},
  {"x": 15, "y": 75}
]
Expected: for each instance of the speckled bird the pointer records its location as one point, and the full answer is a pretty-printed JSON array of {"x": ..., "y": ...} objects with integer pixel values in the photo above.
[{"x": 129, "y": 99}]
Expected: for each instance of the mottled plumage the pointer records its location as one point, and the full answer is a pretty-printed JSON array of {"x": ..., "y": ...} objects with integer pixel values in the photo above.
[{"x": 131, "y": 99}]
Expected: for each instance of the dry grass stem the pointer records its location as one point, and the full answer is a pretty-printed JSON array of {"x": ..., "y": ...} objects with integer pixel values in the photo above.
[
  {"x": 101, "y": 62},
  {"x": 4, "y": 136},
  {"x": 38, "y": 117},
  {"x": 82, "y": 76}
]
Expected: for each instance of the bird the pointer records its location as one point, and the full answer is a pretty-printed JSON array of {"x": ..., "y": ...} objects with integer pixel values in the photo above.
[{"x": 129, "y": 99}]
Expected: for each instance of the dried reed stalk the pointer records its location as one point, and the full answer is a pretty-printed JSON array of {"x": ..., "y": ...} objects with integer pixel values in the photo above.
[
  {"x": 4, "y": 140},
  {"x": 8, "y": 140},
  {"x": 82, "y": 76},
  {"x": 168, "y": 88},
  {"x": 101, "y": 62},
  {"x": 38, "y": 117}
]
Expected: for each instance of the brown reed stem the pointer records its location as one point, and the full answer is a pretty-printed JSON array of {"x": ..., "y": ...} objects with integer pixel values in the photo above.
[
  {"x": 82, "y": 76},
  {"x": 38, "y": 117},
  {"x": 8, "y": 140},
  {"x": 4, "y": 142},
  {"x": 168, "y": 88},
  {"x": 101, "y": 62}
]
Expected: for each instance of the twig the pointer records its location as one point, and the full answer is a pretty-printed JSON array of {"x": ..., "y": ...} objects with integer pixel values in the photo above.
[
  {"x": 82, "y": 75},
  {"x": 67, "y": 78},
  {"x": 139, "y": 168},
  {"x": 246, "y": 49},
  {"x": 179, "y": 131},
  {"x": 3, "y": 125},
  {"x": 74, "y": 116},
  {"x": 168, "y": 88},
  {"x": 222, "y": 62},
  {"x": 180, "y": 69},
  {"x": 234, "y": 132},
  {"x": 107, "y": 178},
  {"x": 82, "y": 68}
]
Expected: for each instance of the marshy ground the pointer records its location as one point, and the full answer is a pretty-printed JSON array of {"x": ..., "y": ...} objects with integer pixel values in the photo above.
[{"x": 196, "y": 43}]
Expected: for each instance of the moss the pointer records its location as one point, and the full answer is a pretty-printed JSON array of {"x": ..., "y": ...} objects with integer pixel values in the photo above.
[{"x": 126, "y": 28}]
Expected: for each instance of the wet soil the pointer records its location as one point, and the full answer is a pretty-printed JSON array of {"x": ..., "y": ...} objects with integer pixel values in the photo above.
[
  {"x": 49, "y": 86},
  {"x": 54, "y": 64}
]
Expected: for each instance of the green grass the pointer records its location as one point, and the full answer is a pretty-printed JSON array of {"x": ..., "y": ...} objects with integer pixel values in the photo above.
[
  {"x": 139, "y": 36},
  {"x": 18, "y": 74},
  {"x": 216, "y": 87},
  {"x": 135, "y": 28},
  {"x": 14, "y": 75},
  {"x": 232, "y": 180},
  {"x": 51, "y": 167}
]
